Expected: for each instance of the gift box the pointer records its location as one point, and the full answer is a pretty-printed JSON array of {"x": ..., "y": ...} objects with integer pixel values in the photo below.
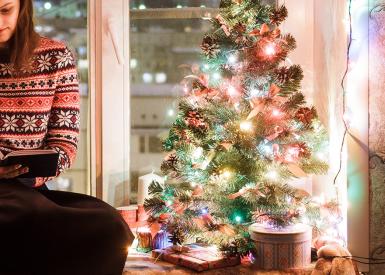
[
  {"x": 141, "y": 214},
  {"x": 282, "y": 248},
  {"x": 129, "y": 213},
  {"x": 134, "y": 215},
  {"x": 198, "y": 258}
]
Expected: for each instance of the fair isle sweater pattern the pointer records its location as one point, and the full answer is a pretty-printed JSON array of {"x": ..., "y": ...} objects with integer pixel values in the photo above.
[{"x": 39, "y": 107}]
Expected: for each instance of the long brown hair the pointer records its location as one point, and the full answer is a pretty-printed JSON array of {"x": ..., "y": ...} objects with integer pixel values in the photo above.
[{"x": 25, "y": 39}]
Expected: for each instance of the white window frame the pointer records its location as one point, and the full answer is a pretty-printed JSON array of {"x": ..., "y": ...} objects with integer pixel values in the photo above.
[{"x": 109, "y": 96}]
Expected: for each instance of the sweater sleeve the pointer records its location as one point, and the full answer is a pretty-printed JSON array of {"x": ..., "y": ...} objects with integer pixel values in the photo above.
[{"x": 64, "y": 122}]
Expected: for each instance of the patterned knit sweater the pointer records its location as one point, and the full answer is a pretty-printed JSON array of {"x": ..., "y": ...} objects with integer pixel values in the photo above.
[{"x": 39, "y": 107}]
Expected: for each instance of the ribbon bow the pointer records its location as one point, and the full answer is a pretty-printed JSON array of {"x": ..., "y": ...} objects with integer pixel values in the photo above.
[
  {"x": 258, "y": 104},
  {"x": 291, "y": 164}
]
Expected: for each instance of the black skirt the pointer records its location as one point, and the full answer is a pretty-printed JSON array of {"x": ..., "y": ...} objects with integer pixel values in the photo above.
[{"x": 55, "y": 232}]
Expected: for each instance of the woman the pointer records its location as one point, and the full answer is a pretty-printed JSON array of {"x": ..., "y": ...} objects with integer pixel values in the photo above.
[{"x": 43, "y": 231}]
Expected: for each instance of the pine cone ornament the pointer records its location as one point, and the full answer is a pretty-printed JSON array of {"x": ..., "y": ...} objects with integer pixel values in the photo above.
[
  {"x": 195, "y": 120},
  {"x": 169, "y": 163},
  {"x": 210, "y": 47},
  {"x": 278, "y": 15},
  {"x": 306, "y": 115},
  {"x": 303, "y": 150},
  {"x": 238, "y": 33},
  {"x": 177, "y": 235},
  {"x": 184, "y": 136},
  {"x": 260, "y": 217},
  {"x": 240, "y": 28},
  {"x": 283, "y": 75},
  {"x": 286, "y": 75}
]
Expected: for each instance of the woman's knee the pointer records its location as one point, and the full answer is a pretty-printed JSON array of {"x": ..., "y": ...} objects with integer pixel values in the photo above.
[
  {"x": 17, "y": 204},
  {"x": 119, "y": 228}
]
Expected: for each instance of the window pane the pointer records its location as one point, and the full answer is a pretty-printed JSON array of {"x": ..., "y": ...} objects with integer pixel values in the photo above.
[
  {"x": 158, "y": 48},
  {"x": 66, "y": 20},
  {"x": 162, "y": 51},
  {"x": 153, "y": 4}
]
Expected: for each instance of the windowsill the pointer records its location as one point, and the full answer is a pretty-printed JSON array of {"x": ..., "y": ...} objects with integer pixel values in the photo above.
[{"x": 142, "y": 263}]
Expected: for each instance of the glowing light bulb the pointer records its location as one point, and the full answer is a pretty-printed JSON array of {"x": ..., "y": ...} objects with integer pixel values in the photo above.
[
  {"x": 185, "y": 89},
  {"x": 47, "y": 5},
  {"x": 198, "y": 152},
  {"x": 232, "y": 59},
  {"x": 206, "y": 66},
  {"x": 232, "y": 92},
  {"x": 238, "y": 219},
  {"x": 289, "y": 199},
  {"x": 204, "y": 211},
  {"x": 268, "y": 149},
  {"x": 226, "y": 174},
  {"x": 273, "y": 175},
  {"x": 147, "y": 77},
  {"x": 246, "y": 126},
  {"x": 170, "y": 112},
  {"x": 142, "y": 7},
  {"x": 133, "y": 63},
  {"x": 276, "y": 113},
  {"x": 216, "y": 76},
  {"x": 160, "y": 77},
  {"x": 254, "y": 93},
  {"x": 270, "y": 50},
  {"x": 179, "y": 6}
]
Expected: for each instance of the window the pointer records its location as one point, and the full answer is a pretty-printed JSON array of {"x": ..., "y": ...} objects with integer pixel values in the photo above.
[
  {"x": 164, "y": 42},
  {"x": 66, "y": 20}
]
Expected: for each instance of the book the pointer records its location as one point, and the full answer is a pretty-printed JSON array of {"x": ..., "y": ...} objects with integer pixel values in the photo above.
[{"x": 41, "y": 163}]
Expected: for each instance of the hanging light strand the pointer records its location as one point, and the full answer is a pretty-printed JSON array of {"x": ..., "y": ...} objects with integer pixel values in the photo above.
[{"x": 346, "y": 129}]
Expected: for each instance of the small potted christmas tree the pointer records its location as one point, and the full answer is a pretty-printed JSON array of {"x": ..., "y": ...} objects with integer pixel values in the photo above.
[{"x": 243, "y": 132}]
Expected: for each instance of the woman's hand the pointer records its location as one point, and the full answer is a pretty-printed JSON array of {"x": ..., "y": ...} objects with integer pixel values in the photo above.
[{"x": 12, "y": 171}]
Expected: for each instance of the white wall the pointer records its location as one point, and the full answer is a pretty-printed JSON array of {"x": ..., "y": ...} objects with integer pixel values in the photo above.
[{"x": 320, "y": 30}]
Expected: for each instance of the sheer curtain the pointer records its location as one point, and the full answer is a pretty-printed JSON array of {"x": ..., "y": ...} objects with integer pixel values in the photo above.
[{"x": 377, "y": 136}]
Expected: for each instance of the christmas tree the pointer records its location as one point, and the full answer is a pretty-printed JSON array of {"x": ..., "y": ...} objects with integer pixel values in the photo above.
[{"x": 243, "y": 131}]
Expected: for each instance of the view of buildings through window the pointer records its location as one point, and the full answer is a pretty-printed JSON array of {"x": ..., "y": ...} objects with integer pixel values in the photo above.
[{"x": 66, "y": 20}]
